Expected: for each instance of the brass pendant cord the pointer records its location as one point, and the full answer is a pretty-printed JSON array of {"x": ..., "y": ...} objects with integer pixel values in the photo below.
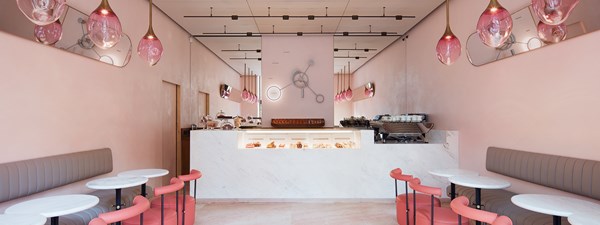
[
  {"x": 349, "y": 76},
  {"x": 150, "y": 30},
  {"x": 447, "y": 13}
]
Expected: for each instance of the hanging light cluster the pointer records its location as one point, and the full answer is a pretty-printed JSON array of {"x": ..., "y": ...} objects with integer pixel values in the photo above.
[
  {"x": 248, "y": 94},
  {"x": 343, "y": 94},
  {"x": 44, "y": 14},
  {"x": 552, "y": 15},
  {"x": 448, "y": 47}
]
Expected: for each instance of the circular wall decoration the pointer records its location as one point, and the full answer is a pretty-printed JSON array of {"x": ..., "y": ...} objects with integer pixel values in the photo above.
[{"x": 273, "y": 93}]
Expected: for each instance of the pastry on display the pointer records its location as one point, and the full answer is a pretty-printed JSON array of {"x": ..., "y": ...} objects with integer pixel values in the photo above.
[
  {"x": 271, "y": 144},
  {"x": 257, "y": 144},
  {"x": 281, "y": 145},
  {"x": 250, "y": 145}
]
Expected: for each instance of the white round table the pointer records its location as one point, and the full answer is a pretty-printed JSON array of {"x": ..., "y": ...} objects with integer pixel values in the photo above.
[
  {"x": 116, "y": 183},
  {"x": 589, "y": 218},
  {"x": 450, "y": 172},
  {"x": 557, "y": 206},
  {"x": 479, "y": 182},
  {"x": 147, "y": 173},
  {"x": 22, "y": 219},
  {"x": 54, "y": 206}
]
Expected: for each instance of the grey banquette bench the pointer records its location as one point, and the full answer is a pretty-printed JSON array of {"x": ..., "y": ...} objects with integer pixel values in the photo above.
[
  {"x": 27, "y": 177},
  {"x": 577, "y": 176}
]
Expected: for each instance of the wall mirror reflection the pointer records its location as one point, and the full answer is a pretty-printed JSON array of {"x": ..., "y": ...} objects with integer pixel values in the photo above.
[
  {"x": 74, "y": 35},
  {"x": 525, "y": 36}
]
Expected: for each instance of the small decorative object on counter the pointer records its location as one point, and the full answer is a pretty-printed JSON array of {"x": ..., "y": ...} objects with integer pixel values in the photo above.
[{"x": 355, "y": 122}]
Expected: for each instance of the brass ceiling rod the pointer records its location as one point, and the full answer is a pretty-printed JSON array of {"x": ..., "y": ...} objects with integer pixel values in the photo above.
[
  {"x": 246, "y": 58},
  {"x": 309, "y": 17}
]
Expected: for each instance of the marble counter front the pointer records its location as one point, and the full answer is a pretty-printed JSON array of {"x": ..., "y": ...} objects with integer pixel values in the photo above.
[{"x": 231, "y": 173}]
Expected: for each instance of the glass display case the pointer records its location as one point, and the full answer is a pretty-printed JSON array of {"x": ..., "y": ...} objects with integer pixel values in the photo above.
[{"x": 299, "y": 139}]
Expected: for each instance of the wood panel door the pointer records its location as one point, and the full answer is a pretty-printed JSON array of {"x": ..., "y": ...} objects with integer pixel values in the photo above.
[{"x": 170, "y": 129}]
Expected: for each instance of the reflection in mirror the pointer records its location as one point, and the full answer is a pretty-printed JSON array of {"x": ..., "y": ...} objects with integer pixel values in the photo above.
[
  {"x": 225, "y": 91},
  {"x": 583, "y": 19},
  {"x": 74, "y": 34},
  {"x": 364, "y": 92}
]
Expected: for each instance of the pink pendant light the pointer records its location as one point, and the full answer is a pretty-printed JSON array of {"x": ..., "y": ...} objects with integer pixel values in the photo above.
[
  {"x": 42, "y": 12},
  {"x": 104, "y": 27},
  {"x": 448, "y": 47},
  {"x": 150, "y": 49},
  {"x": 553, "y": 12},
  {"x": 48, "y": 34},
  {"x": 349, "y": 94},
  {"x": 551, "y": 33},
  {"x": 494, "y": 25}
]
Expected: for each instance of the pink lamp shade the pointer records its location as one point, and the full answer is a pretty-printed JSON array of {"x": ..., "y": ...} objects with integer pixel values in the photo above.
[
  {"x": 349, "y": 94},
  {"x": 42, "y": 12},
  {"x": 553, "y": 12},
  {"x": 494, "y": 25},
  {"x": 48, "y": 34},
  {"x": 245, "y": 95},
  {"x": 448, "y": 48},
  {"x": 369, "y": 92},
  {"x": 552, "y": 33},
  {"x": 104, "y": 27},
  {"x": 150, "y": 49}
]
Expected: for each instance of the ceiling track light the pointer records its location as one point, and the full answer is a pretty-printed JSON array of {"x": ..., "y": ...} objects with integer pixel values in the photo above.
[
  {"x": 350, "y": 57},
  {"x": 246, "y": 58},
  {"x": 354, "y": 49},
  {"x": 241, "y": 50},
  {"x": 309, "y": 17}
]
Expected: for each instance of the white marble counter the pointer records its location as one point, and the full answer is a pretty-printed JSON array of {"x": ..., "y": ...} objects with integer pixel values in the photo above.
[{"x": 231, "y": 173}]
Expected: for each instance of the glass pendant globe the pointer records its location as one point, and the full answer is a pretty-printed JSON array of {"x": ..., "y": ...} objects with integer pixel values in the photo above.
[
  {"x": 104, "y": 27},
  {"x": 348, "y": 94},
  {"x": 368, "y": 92},
  {"x": 48, "y": 34},
  {"x": 150, "y": 48},
  {"x": 553, "y": 12},
  {"x": 245, "y": 95},
  {"x": 494, "y": 25},
  {"x": 448, "y": 48},
  {"x": 552, "y": 33},
  {"x": 42, "y": 12}
]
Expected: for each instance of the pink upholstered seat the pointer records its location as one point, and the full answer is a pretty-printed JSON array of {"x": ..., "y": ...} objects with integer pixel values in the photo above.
[
  {"x": 403, "y": 216},
  {"x": 433, "y": 215},
  {"x": 187, "y": 208},
  {"x": 140, "y": 204},
  {"x": 160, "y": 215},
  {"x": 460, "y": 206}
]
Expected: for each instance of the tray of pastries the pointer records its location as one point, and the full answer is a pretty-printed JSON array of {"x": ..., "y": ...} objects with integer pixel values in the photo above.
[{"x": 298, "y": 123}]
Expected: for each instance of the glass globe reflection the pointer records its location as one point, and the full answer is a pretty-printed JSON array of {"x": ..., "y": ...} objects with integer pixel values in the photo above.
[
  {"x": 553, "y": 12},
  {"x": 48, "y": 34},
  {"x": 42, "y": 12}
]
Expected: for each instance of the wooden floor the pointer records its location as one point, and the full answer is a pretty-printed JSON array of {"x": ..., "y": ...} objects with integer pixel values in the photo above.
[{"x": 296, "y": 214}]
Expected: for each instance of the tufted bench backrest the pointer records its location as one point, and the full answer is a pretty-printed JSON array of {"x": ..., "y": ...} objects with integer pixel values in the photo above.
[
  {"x": 22, "y": 178},
  {"x": 578, "y": 176}
]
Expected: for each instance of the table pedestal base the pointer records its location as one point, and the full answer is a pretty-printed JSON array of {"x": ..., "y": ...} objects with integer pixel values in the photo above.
[
  {"x": 556, "y": 220},
  {"x": 478, "y": 202},
  {"x": 54, "y": 220}
]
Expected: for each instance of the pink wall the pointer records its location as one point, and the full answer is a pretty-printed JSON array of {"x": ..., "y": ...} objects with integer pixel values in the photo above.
[
  {"x": 54, "y": 102},
  {"x": 542, "y": 101},
  {"x": 281, "y": 58}
]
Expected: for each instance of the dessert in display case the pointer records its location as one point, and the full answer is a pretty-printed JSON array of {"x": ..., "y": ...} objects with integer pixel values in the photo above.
[{"x": 299, "y": 139}]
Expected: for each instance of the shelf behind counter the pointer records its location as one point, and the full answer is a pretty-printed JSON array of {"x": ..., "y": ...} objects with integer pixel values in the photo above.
[{"x": 331, "y": 164}]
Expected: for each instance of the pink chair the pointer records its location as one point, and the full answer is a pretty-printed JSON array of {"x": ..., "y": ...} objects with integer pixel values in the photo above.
[
  {"x": 187, "y": 214},
  {"x": 403, "y": 208},
  {"x": 162, "y": 216},
  {"x": 433, "y": 215},
  {"x": 140, "y": 204},
  {"x": 460, "y": 206}
]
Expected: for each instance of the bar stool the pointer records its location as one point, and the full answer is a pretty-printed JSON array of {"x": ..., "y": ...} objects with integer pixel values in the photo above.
[
  {"x": 425, "y": 215},
  {"x": 187, "y": 214},
  {"x": 460, "y": 206},
  {"x": 403, "y": 215},
  {"x": 140, "y": 204},
  {"x": 162, "y": 216}
]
